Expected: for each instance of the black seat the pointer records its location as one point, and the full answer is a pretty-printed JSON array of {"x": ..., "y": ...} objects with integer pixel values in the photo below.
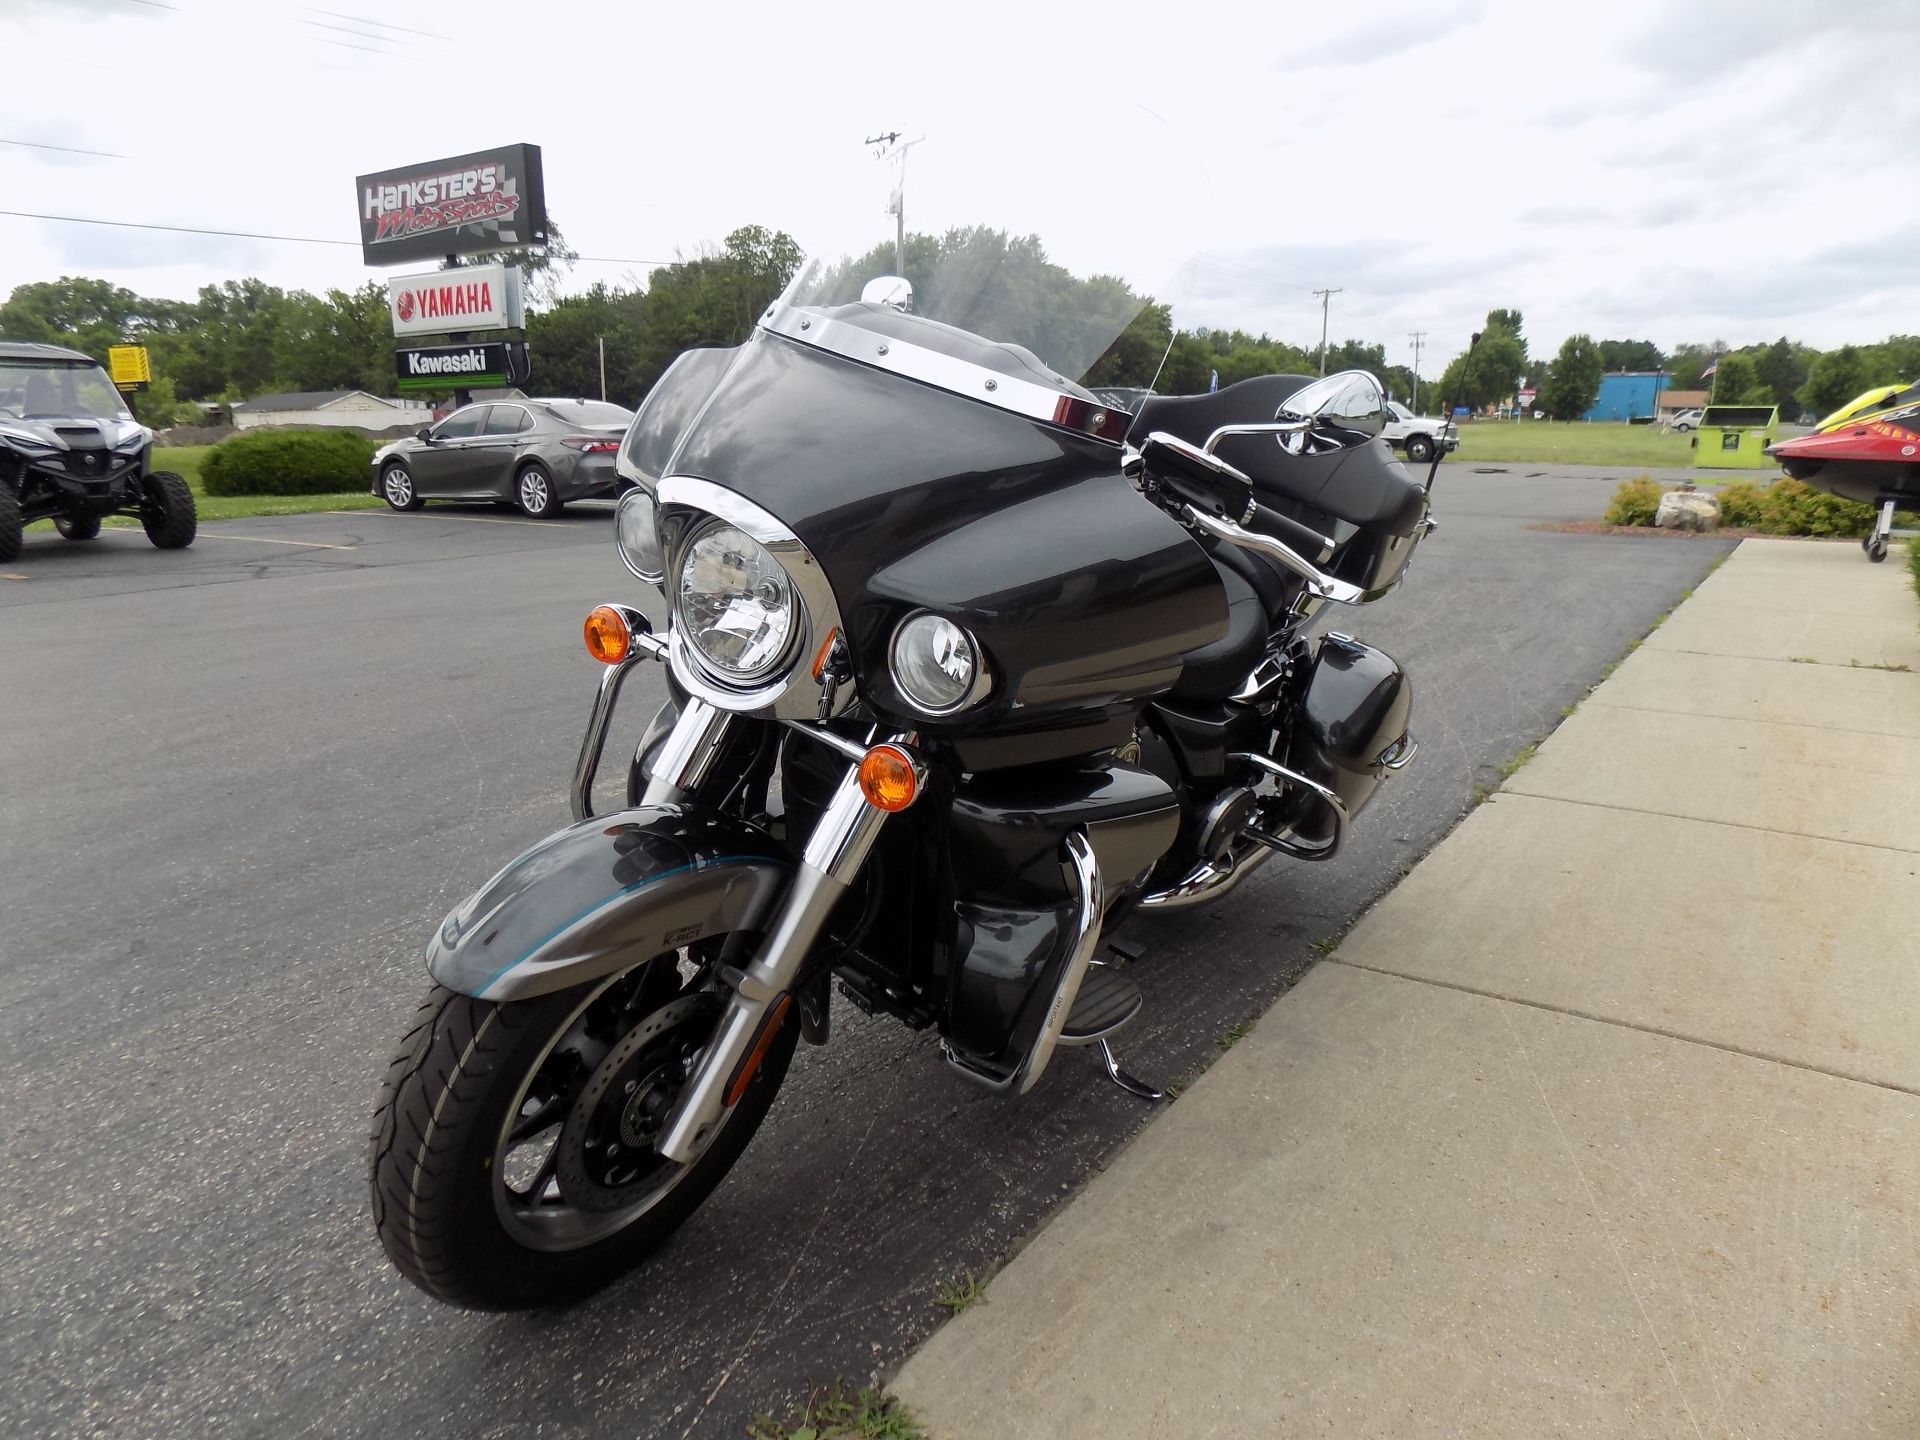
[
  {"x": 1217, "y": 669},
  {"x": 1360, "y": 484}
]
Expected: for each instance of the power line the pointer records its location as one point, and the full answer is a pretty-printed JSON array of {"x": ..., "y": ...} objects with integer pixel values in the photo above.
[
  {"x": 63, "y": 149},
  {"x": 284, "y": 239}
]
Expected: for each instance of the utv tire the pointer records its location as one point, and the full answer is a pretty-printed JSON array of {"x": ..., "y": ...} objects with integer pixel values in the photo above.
[
  {"x": 83, "y": 527},
  {"x": 1419, "y": 449},
  {"x": 176, "y": 523},
  {"x": 398, "y": 490},
  {"x": 533, "y": 490},
  {"x": 11, "y": 529},
  {"x": 441, "y": 1112}
]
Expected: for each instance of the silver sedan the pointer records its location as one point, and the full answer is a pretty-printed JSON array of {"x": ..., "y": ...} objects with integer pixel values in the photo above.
[{"x": 536, "y": 454}]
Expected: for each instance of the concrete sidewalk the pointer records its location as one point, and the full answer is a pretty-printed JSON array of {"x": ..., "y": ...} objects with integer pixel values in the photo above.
[{"x": 1605, "y": 1122}]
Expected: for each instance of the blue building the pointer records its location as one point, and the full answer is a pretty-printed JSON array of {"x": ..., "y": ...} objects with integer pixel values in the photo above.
[{"x": 1627, "y": 394}]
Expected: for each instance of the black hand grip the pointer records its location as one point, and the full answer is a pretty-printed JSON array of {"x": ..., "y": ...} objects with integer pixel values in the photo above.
[{"x": 1304, "y": 538}]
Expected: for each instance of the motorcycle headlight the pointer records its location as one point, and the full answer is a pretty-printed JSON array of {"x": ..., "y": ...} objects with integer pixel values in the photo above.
[
  {"x": 734, "y": 603},
  {"x": 636, "y": 535},
  {"x": 936, "y": 664}
]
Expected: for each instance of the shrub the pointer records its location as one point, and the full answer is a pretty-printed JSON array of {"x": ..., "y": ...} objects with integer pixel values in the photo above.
[
  {"x": 1789, "y": 508},
  {"x": 288, "y": 462},
  {"x": 1636, "y": 502},
  {"x": 1741, "y": 503}
]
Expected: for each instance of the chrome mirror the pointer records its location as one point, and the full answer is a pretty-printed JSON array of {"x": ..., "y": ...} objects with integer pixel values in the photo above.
[
  {"x": 1351, "y": 400},
  {"x": 893, "y": 291}
]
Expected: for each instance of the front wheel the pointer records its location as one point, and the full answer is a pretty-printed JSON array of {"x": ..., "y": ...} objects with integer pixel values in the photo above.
[
  {"x": 169, "y": 516},
  {"x": 1419, "y": 449},
  {"x": 512, "y": 1158},
  {"x": 12, "y": 531},
  {"x": 534, "y": 490},
  {"x": 397, "y": 488}
]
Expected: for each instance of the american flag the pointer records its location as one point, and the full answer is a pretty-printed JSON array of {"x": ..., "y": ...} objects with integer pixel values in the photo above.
[{"x": 1709, "y": 370}]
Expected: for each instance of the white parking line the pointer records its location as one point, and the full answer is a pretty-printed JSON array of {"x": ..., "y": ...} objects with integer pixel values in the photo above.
[
  {"x": 9, "y": 575},
  {"x": 263, "y": 540},
  {"x": 469, "y": 519}
]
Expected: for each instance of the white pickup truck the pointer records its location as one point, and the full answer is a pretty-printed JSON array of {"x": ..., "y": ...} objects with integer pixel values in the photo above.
[{"x": 1416, "y": 435}]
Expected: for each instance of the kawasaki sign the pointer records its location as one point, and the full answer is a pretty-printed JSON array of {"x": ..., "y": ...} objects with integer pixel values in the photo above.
[
  {"x": 464, "y": 205},
  {"x": 490, "y": 364}
]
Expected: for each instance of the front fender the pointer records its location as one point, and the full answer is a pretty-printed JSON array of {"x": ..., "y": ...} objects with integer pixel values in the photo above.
[{"x": 596, "y": 897}]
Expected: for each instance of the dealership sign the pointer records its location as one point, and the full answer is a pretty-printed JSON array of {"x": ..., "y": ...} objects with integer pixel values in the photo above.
[
  {"x": 468, "y": 297},
  {"x": 466, "y": 205},
  {"x": 486, "y": 365}
]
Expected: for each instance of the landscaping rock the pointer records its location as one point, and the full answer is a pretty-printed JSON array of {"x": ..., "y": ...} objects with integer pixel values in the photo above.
[{"x": 1687, "y": 510}]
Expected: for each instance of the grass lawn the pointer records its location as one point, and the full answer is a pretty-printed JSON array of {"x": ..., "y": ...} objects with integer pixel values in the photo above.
[
  {"x": 185, "y": 460},
  {"x": 1548, "y": 443}
]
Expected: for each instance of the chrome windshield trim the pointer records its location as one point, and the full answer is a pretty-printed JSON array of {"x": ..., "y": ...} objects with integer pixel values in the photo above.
[
  {"x": 808, "y": 326},
  {"x": 683, "y": 500}
]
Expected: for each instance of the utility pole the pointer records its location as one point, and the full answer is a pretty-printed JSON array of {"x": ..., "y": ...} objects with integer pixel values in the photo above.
[
  {"x": 1418, "y": 337},
  {"x": 603, "y": 367},
  {"x": 897, "y": 205},
  {"x": 1326, "y": 299}
]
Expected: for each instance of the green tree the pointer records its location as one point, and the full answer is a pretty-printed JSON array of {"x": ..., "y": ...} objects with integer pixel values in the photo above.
[
  {"x": 1780, "y": 371},
  {"x": 1835, "y": 378},
  {"x": 1490, "y": 371},
  {"x": 1616, "y": 355},
  {"x": 1572, "y": 382},
  {"x": 1738, "y": 382}
]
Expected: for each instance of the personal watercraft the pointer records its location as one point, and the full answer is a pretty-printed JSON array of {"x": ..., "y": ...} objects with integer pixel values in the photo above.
[{"x": 1868, "y": 450}]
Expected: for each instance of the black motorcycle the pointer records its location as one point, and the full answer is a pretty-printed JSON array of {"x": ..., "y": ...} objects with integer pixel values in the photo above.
[{"x": 966, "y": 667}]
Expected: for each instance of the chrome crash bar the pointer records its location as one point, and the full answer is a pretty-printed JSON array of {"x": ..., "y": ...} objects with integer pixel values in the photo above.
[{"x": 645, "y": 645}]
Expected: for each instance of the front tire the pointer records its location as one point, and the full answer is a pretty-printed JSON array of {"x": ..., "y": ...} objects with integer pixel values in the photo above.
[
  {"x": 533, "y": 489},
  {"x": 397, "y": 488},
  {"x": 77, "y": 527},
  {"x": 473, "y": 1075},
  {"x": 169, "y": 517},
  {"x": 12, "y": 531},
  {"x": 1419, "y": 449}
]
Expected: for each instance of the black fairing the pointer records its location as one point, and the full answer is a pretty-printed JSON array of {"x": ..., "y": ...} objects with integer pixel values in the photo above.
[
  {"x": 1015, "y": 908},
  {"x": 1353, "y": 704},
  {"x": 1083, "y": 595}
]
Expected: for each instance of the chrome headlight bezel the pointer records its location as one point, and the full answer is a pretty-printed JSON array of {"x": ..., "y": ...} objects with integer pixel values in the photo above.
[
  {"x": 781, "y": 658},
  {"x": 646, "y": 556},
  {"x": 979, "y": 682},
  {"x": 685, "y": 502}
]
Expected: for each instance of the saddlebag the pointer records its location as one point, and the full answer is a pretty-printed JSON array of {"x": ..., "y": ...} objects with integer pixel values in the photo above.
[{"x": 1349, "y": 720}]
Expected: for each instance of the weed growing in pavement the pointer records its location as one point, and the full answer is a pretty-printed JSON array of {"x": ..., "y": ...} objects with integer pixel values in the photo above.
[
  {"x": 1870, "y": 665},
  {"x": 1913, "y": 563},
  {"x": 1234, "y": 1036},
  {"x": 958, "y": 1294},
  {"x": 1802, "y": 660},
  {"x": 841, "y": 1413}
]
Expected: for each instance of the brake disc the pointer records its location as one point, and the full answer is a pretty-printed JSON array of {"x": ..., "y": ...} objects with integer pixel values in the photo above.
[{"x": 606, "y": 1157}]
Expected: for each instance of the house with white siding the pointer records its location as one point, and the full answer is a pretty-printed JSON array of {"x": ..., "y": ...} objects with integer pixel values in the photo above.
[{"x": 354, "y": 408}]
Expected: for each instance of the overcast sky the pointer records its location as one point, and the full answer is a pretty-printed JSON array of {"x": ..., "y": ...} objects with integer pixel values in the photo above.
[{"x": 1679, "y": 171}]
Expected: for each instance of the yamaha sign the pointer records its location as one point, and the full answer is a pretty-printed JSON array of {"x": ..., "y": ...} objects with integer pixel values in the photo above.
[
  {"x": 490, "y": 364},
  {"x": 470, "y": 297}
]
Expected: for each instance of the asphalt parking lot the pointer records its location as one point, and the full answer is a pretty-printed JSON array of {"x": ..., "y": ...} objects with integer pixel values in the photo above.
[{"x": 243, "y": 783}]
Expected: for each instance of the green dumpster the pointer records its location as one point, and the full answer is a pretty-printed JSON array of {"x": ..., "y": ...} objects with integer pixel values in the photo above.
[{"x": 1735, "y": 437}]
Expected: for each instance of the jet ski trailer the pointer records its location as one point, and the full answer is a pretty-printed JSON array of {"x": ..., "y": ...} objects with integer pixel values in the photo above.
[{"x": 1868, "y": 450}]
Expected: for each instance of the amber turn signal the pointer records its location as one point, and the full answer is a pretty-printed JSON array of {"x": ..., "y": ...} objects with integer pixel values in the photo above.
[
  {"x": 887, "y": 778},
  {"x": 608, "y": 638}
]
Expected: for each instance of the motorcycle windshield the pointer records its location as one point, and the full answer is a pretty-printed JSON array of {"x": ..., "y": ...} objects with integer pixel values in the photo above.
[{"x": 1011, "y": 279}]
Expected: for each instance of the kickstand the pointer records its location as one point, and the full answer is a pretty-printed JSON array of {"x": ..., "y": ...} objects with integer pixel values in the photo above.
[{"x": 1133, "y": 1086}]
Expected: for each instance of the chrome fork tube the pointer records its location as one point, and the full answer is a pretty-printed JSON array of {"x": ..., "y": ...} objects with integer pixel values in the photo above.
[
  {"x": 687, "y": 754},
  {"x": 833, "y": 856}
]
